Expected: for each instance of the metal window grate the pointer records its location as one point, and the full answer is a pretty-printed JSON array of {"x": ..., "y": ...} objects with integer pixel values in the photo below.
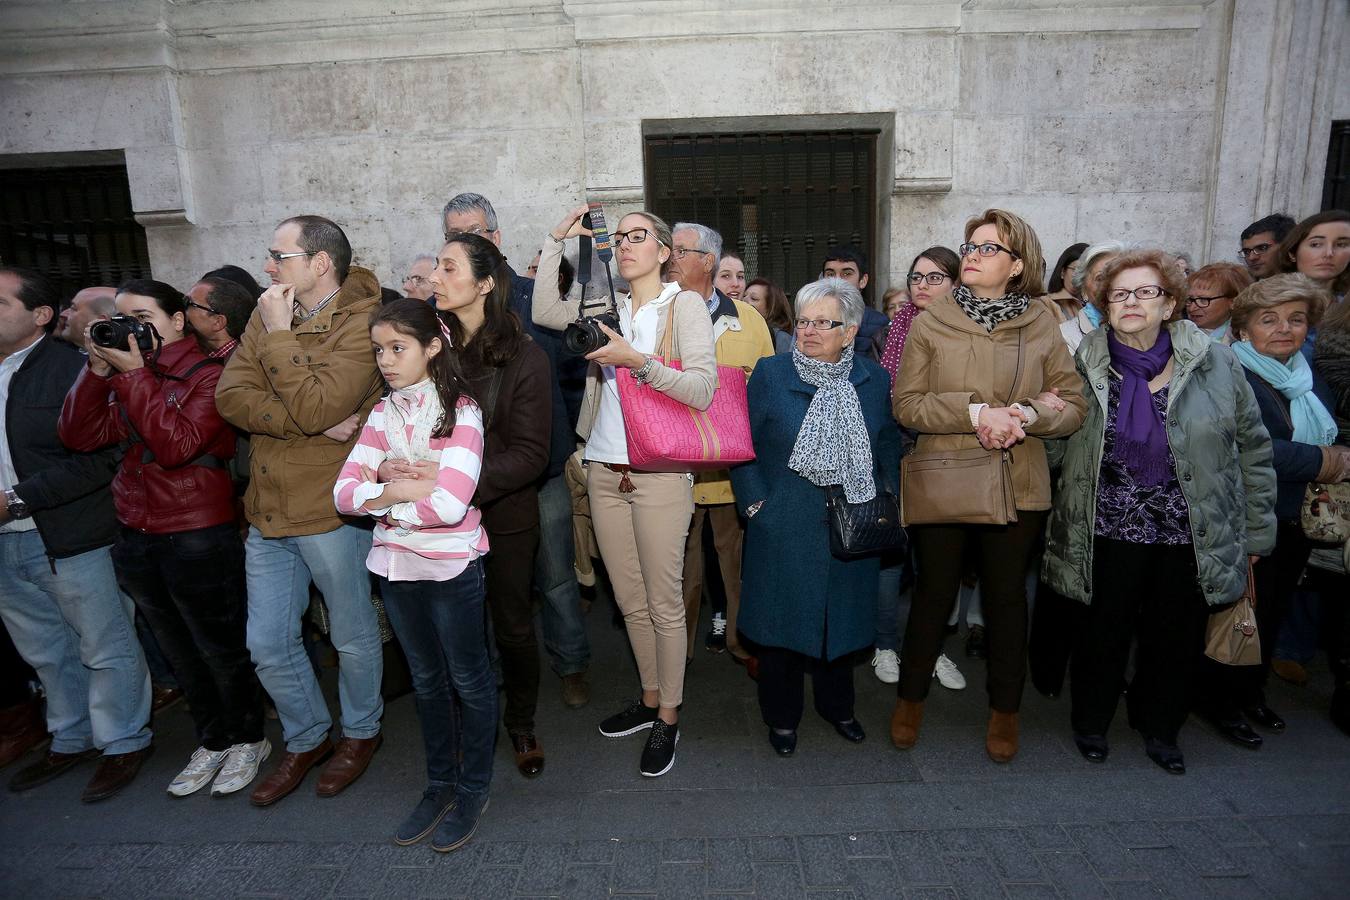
[
  {"x": 1336, "y": 188},
  {"x": 779, "y": 199},
  {"x": 74, "y": 224}
]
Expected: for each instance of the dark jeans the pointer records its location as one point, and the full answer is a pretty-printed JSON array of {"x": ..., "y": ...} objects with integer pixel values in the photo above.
[
  {"x": 1147, "y": 592},
  {"x": 190, "y": 587},
  {"x": 16, "y": 676},
  {"x": 511, "y": 603},
  {"x": 443, "y": 630},
  {"x": 782, "y": 687},
  {"x": 1004, "y": 551}
]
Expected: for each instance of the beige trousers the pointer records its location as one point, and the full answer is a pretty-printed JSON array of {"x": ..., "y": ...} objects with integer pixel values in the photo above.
[
  {"x": 728, "y": 539},
  {"x": 641, "y": 536}
]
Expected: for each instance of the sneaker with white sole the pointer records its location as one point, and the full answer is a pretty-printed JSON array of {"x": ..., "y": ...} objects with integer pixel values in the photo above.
[
  {"x": 948, "y": 675},
  {"x": 659, "y": 755},
  {"x": 241, "y": 767},
  {"x": 199, "y": 771},
  {"x": 886, "y": 666}
]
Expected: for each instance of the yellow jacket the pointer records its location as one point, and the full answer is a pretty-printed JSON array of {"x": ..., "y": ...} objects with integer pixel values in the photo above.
[{"x": 742, "y": 339}]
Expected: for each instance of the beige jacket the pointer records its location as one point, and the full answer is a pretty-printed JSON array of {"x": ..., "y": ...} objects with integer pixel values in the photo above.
[
  {"x": 951, "y": 362},
  {"x": 692, "y": 343}
]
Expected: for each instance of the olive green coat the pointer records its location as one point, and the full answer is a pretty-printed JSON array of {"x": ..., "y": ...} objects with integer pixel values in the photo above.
[{"x": 1223, "y": 461}]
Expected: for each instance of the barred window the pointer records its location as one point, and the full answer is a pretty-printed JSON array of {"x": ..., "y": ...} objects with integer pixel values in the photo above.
[{"x": 1336, "y": 188}]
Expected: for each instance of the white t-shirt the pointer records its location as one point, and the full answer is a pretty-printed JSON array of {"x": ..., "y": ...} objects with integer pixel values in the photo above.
[{"x": 608, "y": 443}]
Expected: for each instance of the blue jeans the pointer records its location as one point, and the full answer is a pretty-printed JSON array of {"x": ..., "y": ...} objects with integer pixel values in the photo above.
[
  {"x": 279, "y": 572},
  {"x": 569, "y": 650},
  {"x": 442, "y": 629},
  {"x": 70, "y": 623},
  {"x": 888, "y": 604}
]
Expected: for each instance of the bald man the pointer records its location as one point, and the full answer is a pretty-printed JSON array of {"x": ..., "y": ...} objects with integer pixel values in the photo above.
[{"x": 86, "y": 307}]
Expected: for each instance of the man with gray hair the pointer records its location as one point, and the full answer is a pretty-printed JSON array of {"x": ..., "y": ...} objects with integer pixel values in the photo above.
[
  {"x": 415, "y": 284},
  {"x": 742, "y": 338}
]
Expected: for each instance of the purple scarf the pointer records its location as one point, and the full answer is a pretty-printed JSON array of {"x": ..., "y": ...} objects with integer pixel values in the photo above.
[{"x": 1141, "y": 440}]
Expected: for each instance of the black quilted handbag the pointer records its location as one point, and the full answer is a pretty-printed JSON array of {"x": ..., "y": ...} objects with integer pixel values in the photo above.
[{"x": 870, "y": 528}]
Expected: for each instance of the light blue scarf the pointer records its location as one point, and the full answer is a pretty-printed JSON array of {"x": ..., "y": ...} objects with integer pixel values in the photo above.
[{"x": 1294, "y": 379}]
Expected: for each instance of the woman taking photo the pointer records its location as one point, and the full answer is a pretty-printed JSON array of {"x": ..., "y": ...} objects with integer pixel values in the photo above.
[
  {"x": 819, "y": 417},
  {"x": 1165, "y": 494},
  {"x": 641, "y": 519},
  {"x": 769, "y": 300},
  {"x": 932, "y": 274},
  {"x": 985, "y": 367},
  {"x": 179, "y": 555}
]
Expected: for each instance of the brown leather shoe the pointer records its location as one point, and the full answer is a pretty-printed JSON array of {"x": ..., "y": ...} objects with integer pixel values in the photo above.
[
  {"x": 288, "y": 774},
  {"x": 529, "y": 755},
  {"x": 1001, "y": 742},
  {"x": 22, "y": 728},
  {"x": 905, "y": 721},
  {"x": 115, "y": 771},
  {"x": 50, "y": 766},
  {"x": 349, "y": 760},
  {"x": 161, "y": 698},
  {"x": 576, "y": 690},
  {"x": 1290, "y": 671}
]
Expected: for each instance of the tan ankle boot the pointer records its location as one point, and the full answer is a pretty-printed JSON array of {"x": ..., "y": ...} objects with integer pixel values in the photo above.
[
  {"x": 905, "y": 724},
  {"x": 1001, "y": 742}
]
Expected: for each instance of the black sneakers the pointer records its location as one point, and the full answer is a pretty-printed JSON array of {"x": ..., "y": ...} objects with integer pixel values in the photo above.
[
  {"x": 659, "y": 755},
  {"x": 632, "y": 720}
]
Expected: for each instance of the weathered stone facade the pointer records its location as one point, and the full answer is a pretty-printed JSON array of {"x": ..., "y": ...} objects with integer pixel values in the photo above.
[{"x": 1176, "y": 122}]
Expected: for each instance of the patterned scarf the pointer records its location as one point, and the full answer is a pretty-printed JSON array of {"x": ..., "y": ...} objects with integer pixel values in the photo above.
[
  {"x": 418, "y": 405},
  {"x": 895, "y": 339},
  {"x": 990, "y": 312},
  {"x": 832, "y": 446}
]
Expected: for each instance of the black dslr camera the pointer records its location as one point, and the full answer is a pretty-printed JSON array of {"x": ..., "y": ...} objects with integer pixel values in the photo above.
[
  {"x": 584, "y": 335},
  {"x": 113, "y": 333}
]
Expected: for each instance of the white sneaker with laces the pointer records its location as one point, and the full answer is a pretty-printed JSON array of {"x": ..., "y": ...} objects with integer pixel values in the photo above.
[
  {"x": 948, "y": 675},
  {"x": 199, "y": 771},
  {"x": 886, "y": 665},
  {"x": 241, "y": 767}
]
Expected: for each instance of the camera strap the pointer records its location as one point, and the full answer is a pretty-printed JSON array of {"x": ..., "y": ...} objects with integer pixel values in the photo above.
[
  {"x": 209, "y": 460},
  {"x": 605, "y": 250}
]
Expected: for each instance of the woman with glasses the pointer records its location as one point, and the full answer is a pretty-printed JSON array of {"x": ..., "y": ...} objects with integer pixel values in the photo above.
[
  {"x": 819, "y": 418},
  {"x": 641, "y": 519},
  {"x": 985, "y": 367},
  {"x": 772, "y": 303},
  {"x": 1086, "y": 283},
  {"x": 1167, "y": 490},
  {"x": 1059, "y": 292},
  {"x": 932, "y": 274},
  {"x": 1210, "y": 292}
]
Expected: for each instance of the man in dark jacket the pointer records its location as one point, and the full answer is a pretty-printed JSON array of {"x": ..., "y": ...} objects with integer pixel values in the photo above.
[
  {"x": 58, "y": 593},
  {"x": 564, "y": 629},
  {"x": 850, "y": 264}
]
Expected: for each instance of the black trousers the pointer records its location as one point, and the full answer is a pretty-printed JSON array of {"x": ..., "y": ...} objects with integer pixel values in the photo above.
[
  {"x": 782, "y": 686},
  {"x": 510, "y": 601},
  {"x": 1147, "y": 592},
  {"x": 1004, "y": 551},
  {"x": 16, "y": 676},
  {"x": 190, "y": 587}
]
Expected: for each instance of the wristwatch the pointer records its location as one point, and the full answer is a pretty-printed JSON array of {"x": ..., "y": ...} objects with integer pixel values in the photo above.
[{"x": 17, "y": 508}]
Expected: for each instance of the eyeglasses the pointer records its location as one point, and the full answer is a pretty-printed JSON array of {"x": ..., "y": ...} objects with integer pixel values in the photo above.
[
  {"x": 282, "y": 257},
  {"x": 988, "y": 248},
  {"x": 1259, "y": 250},
  {"x": 634, "y": 236},
  {"x": 478, "y": 230},
  {"x": 682, "y": 252},
  {"x": 1202, "y": 302},
  {"x": 1143, "y": 292},
  {"x": 818, "y": 324},
  {"x": 931, "y": 277},
  {"x": 206, "y": 309},
  {"x": 417, "y": 280}
]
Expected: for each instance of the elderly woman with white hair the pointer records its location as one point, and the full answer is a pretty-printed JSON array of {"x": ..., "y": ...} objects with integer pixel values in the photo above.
[
  {"x": 1086, "y": 283},
  {"x": 820, "y": 417}
]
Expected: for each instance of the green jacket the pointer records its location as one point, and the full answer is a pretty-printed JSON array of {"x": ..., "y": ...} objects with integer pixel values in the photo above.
[{"x": 1223, "y": 460}]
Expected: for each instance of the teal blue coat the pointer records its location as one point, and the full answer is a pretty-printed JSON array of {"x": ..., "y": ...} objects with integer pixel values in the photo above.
[{"x": 794, "y": 593}]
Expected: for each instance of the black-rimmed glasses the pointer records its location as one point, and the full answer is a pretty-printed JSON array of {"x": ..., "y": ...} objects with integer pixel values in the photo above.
[
  {"x": 1247, "y": 253},
  {"x": 930, "y": 278},
  {"x": 1143, "y": 292},
  {"x": 1202, "y": 302},
  {"x": 988, "y": 248},
  {"x": 818, "y": 324},
  {"x": 632, "y": 236},
  {"x": 206, "y": 309}
]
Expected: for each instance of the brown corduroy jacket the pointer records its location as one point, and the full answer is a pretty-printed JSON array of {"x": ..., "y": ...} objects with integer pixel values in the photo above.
[
  {"x": 951, "y": 362},
  {"x": 285, "y": 388}
]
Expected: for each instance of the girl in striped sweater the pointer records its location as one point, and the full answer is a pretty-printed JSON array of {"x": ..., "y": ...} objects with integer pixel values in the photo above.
[{"x": 427, "y": 551}]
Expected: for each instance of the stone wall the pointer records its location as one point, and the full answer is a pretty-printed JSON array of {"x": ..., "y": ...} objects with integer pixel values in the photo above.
[{"x": 1176, "y": 122}]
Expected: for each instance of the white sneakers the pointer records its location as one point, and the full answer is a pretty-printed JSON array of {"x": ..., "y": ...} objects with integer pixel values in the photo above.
[
  {"x": 948, "y": 675},
  {"x": 241, "y": 767},
  {"x": 232, "y": 769},
  {"x": 886, "y": 665}
]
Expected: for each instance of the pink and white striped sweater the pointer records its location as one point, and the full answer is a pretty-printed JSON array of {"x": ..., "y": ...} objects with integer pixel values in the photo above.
[{"x": 433, "y": 539}]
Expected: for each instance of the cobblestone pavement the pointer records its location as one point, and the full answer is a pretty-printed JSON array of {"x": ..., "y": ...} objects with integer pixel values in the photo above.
[{"x": 835, "y": 821}]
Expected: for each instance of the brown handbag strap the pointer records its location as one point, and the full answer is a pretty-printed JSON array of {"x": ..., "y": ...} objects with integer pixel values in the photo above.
[{"x": 668, "y": 333}]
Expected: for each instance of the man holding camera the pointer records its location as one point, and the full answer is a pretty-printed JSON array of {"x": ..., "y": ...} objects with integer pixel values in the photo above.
[
  {"x": 301, "y": 382},
  {"x": 58, "y": 592}
]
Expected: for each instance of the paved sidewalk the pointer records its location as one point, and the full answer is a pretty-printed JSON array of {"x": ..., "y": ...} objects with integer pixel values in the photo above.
[{"x": 835, "y": 821}]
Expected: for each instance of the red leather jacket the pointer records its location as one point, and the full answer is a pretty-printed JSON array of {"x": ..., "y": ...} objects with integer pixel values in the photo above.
[{"x": 163, "y": 484}]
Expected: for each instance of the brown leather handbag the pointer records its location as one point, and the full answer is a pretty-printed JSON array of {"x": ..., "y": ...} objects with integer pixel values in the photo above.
[
  {"x": 960, "y": 487},
  {"x": 1231, "y": 637}
]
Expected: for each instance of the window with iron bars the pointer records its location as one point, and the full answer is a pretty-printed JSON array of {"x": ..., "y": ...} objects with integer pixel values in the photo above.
[
  {"x": 779, "y": 199},
  {"x": 1336, "y": 187},
  {"x": 74, "y": 224}
]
